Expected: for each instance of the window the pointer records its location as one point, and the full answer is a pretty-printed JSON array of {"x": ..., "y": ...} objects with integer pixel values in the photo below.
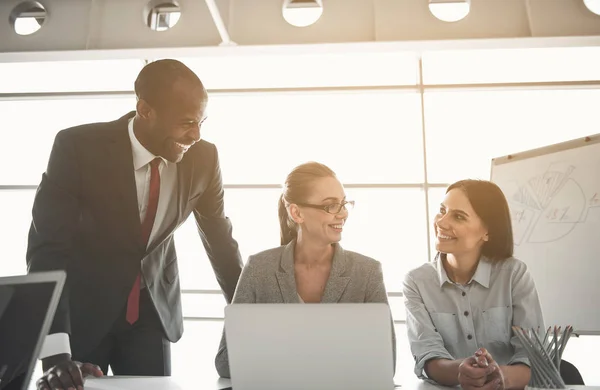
[
  {"x": 465, "y": 130},
  {"x": 397, "y": 305},
  {"x": 202, "y": 305},
  {"x": 511, "y": 65},
  {"x": 436, "y": 197},
  {"x": 306, "y": 70},
  {"x": 15, "y": 209},
  {"x": 69, "y": 76},
  {"x": 367, "y": 137},
  {"x": 388, "y": 225},
  {"x": 29, "y": 128},
  {"x": 195, "y": 353},
  {"x": 253, "y": 214}
]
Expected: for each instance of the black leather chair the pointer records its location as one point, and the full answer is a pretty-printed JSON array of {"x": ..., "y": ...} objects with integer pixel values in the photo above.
[{"x": 570, "y": 374}]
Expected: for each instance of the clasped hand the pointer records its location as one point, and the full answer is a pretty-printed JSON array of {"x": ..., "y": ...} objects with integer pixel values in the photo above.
[{"x": 480, "y": 372}]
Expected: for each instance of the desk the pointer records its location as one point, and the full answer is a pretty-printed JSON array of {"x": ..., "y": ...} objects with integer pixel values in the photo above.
[
  {"x": 150, "y": 383},
  {"x": 177, "y": 383},
  {"x": 173, "y": 383},
  {"x": 154, "y": 383}
]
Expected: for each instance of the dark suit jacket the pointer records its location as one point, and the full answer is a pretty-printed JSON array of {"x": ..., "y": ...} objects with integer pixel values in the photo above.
[{"x": 86, "y": 221}]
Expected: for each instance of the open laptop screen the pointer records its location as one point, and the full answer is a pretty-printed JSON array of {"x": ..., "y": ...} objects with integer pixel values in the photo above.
[
  {"x": 312, "y": 346},
  {"x": 27, "y": 306}
]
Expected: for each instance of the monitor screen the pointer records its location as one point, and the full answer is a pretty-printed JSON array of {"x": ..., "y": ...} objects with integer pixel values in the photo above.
[{"x": 23, "y": 309}]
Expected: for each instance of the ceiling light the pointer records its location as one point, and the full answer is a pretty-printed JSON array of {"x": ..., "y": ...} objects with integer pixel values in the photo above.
[
  {"x": 593, "y": 5},
  {"x": 26, "y": 26},
  {"x": 161, "y": 15},
  {"x": 450, "y": 10},
  {"x": 302, "y": 13},
  {"x": 27, "y": 17}
]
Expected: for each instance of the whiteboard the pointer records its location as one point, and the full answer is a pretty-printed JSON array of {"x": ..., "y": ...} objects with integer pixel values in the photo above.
[{"x": 554, "y": 198}]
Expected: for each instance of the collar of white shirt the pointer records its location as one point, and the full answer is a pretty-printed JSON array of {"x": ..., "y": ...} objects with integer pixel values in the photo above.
[
  {"x": 141, "y": 155},
  {"x": 482, "y": 273}
]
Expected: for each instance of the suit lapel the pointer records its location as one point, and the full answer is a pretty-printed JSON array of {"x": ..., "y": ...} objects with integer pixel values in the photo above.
[
  {"x": 185, "y": 173},
  {"x": 285, "y": 275},
  {"x": 336, "y": 285},
  {"x": 120, "y": 168}
]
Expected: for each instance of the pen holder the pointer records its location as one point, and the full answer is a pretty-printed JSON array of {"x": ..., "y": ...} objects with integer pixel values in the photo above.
[{"x": 544, "y": 352}]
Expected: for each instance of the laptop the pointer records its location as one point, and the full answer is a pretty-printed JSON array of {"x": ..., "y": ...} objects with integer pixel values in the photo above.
[
  {"x": 310, "y": 346},
  {"x": 27, "y": 307}
]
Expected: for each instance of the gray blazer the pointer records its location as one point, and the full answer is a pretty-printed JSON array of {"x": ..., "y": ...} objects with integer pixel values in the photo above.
[{"x": 268, "y": 277}]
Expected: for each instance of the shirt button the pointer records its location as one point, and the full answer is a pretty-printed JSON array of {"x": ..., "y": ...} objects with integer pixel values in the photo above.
[
  {"x": 466, "y": 313},
  {"x": 464, "y": 293},
  {"x": 469, "y": 337}
]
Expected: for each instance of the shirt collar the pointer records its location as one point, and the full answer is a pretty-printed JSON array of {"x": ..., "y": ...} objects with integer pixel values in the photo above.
[
  {"x": 442, "y": 276},
  {"x": 141, "y": 155},
  {"x": 482, "y": 273}
]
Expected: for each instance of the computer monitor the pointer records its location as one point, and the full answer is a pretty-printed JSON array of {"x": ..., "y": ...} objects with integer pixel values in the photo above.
[{"x": 27, "y": 307}]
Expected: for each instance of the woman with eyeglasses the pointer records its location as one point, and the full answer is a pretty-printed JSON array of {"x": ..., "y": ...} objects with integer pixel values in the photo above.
[
  {"x": 310, "y": 264},
  {"x": 460, "y": 308}
]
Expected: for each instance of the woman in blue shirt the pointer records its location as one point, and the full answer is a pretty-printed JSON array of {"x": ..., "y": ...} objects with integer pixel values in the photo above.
[{"x": 461, "y": 307}]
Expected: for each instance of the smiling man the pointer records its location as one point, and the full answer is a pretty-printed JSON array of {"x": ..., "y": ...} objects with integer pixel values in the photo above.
[{"x": 105, "y": 211}]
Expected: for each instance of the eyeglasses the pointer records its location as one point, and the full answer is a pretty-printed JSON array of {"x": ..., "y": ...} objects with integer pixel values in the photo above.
[{"x": 333, "y": 208}]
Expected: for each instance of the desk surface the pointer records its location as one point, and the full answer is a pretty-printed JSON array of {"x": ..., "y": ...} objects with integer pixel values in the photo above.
[{"x": 174, "y": 383}]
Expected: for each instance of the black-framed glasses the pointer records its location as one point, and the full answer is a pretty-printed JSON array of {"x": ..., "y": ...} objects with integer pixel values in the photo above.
[{"x": 333, "y": 208}]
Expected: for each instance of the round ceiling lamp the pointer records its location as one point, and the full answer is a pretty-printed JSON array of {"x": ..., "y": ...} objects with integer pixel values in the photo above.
[
  {"x": 593, "y": 5},
  {"x": 302, "y": 13},
  {"x": 450, "y": 10},
  {"x": 161, "y": 15},
  {"x": 28, "y": 17}
]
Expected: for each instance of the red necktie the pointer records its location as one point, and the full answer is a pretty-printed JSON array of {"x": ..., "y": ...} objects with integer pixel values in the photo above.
[{"x": 133, "y": 302}]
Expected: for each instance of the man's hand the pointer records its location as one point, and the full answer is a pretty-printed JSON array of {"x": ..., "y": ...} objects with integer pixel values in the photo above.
[
  {"x": 475, "y": 372},
  {"x": 66, "y": 374}
]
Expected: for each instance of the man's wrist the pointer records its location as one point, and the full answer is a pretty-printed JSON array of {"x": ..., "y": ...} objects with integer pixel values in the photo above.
[{"x": 51, "y": 361}]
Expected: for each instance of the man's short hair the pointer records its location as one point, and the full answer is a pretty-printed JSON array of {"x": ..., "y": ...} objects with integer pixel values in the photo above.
[{"x": 156, "y": 80}]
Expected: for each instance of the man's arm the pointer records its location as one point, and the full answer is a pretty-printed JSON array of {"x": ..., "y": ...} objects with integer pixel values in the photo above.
[
  {"x": 55, "y": 213},
  {"x": 216, "y": 233},
  {"x": 56, "y": 346}
]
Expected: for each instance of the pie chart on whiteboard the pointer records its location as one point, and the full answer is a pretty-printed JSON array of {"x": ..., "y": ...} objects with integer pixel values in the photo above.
[{"x": 546, "y": 207}]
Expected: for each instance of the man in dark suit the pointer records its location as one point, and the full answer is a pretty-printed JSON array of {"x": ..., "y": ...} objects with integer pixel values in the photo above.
[{"x": 105, "y": 211}]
